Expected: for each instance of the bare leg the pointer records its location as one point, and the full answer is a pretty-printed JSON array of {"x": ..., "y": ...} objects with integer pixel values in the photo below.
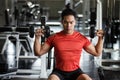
[
  {"x": 84, "y": 77},
  {"x": 53, "y": 77}
]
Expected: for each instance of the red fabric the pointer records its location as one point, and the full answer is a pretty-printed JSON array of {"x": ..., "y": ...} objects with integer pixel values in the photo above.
[{"x": 68, "y": 49}]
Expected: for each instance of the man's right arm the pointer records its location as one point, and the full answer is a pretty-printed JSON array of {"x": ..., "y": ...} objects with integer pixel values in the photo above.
[{"x": 40, "y": 49}]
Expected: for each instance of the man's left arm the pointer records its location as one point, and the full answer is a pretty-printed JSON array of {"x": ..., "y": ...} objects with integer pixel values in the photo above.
[{"x": 97, "y": 49}]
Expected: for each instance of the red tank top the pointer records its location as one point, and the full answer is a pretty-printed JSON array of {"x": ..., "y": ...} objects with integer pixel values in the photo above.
[{"x": 67, "y": 49}]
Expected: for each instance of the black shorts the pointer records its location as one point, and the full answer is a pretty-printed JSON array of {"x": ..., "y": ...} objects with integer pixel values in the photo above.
[{"x": 63, "y": 75}]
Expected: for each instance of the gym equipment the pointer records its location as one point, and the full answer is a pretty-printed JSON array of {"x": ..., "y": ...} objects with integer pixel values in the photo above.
[
  {"x": 45, "y": 28},
  {"x": 92, "y": 31},
  {"x": 92, "y": 17},
  {"x": 7, "y": 17},
  {"x": 101, "y": 73},
  {"x": 30, "y": 29},
  {"x": 110, "y": 60},
  {"x": 19, "y": 30},
  {"x": 49, "y": 59},
  {"x": 112, "y": 25},
  {"x": 98, "y": 25},
  {"x": 46, "y": 35},
  {"x": 19, "y": 37},
  {"x": 92, "y": 24},
  {"x": 8, "y": 55},
  {"x": 111, "y": 34}
]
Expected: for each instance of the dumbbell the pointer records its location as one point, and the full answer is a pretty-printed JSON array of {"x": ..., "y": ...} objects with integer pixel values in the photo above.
[
  {"x": 92, "y": 31},
  {"x": 46, "y": 35},
  {"x": 45, "y": 28},
  {"x": 31, "y": 31},
  {"x": 96, "y": 19},
  {"x": 92, "y": 23}
]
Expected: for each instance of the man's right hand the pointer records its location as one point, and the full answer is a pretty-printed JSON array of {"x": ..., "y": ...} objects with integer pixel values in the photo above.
[{"x": 39, "y": 33}]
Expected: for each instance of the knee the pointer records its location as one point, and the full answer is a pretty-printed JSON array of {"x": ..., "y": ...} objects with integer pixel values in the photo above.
[
  {"x": 89, "y": 79},
  {"x": 53, "y": 77},
  {"x": 84, "y": 77}
]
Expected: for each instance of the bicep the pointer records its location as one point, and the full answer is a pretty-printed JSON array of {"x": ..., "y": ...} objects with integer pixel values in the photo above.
[
  {"x": 91, "y": 49},
  {"x": 45, "y": 48}
]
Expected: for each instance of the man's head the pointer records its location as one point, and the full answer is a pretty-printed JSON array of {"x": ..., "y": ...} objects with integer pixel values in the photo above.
[
  {"x": 67, "y": 12},
  {"x": 68, "y": 20}
]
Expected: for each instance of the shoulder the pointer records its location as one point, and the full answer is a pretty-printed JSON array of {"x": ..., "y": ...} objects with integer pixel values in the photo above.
[
  {"x": 54, "y": 35},
  {"x": 50, "y": 40},
  {"x": 79, "y": 34}
]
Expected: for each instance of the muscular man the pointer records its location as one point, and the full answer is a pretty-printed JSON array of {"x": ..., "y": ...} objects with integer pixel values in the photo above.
[{"x": 68, "y": 45}]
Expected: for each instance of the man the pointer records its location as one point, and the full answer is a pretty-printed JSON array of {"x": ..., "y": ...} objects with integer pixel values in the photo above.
[{"x": 68, "y": 45}]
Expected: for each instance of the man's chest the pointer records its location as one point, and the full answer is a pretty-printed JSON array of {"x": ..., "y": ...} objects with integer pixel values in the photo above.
[{"x": 68, "y": 43}]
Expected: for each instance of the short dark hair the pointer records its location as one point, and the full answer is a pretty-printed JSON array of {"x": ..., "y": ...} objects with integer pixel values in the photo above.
[{"x": 67, "y": 12}]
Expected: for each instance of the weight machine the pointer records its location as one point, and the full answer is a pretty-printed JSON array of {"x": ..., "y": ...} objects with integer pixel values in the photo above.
[
  {"x": 14, "y": 42},
  {"x": 9, "y": 52},
  {"x": 25, "y": 54},
  {"x": 106, "y": 61}
]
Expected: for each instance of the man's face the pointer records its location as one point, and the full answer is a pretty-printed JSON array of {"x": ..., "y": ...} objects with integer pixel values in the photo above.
[{"x": 69, "y": 24}]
